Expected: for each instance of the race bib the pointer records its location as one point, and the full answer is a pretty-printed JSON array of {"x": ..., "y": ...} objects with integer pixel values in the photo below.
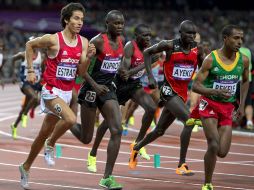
[
  {"x": 110, "y": 65},
  {"x": 229, "y": 85},
  {"x": 166, "y": 90},
  {"x": 90, "y": 96},
  {"x": 66, "y": 71},
  {"x": 202, "y": 105},
  {"x": 183, "y": 72}
]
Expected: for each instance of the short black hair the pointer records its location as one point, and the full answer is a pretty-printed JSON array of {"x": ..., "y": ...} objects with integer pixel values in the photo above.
[
  {"x": 139, "y": 26},
  {"x": 67, "y": 11},
  {"x": 227, "y": 30},
  {"x": 111, "y": 13}
]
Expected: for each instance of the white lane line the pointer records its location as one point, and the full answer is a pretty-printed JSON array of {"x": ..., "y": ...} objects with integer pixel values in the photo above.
[
  {"x": 126, "y": 164},
  {"x": 126, "y": 177},
  {"x": 128, "y": 142}
]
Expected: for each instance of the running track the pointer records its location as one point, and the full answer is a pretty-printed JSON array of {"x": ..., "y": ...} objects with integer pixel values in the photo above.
[{"x": 236, "y": 172}]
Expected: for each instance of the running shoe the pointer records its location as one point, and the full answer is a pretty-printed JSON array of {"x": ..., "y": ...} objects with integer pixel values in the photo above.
[
  {"x": 13, "y": 131},
  {"x": 110, "y": 183},
  {"x": 184, "y": 170},
  {"x": 195, "y": 129},
  {"x": 250, "y": 125},
  {"x": 207, "y": 186},
  {"x": 143, "y": 154},
  {"x": 91, "y": 163},
  {"x": 133, "y": 157},
  {"x": 24, "y": 120},
  {"x": 49, "y": 154},
  {"x": 132, "y": 121},
  {"x": 192, "y": 121},
  {"x": 24, "y": 177}
]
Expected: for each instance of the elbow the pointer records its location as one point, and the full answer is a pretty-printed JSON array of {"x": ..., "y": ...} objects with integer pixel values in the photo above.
[
  {"x": 28, "y": 45},
  {"x": 147, "y": 52},
  {"x": 194, "y": 87}
]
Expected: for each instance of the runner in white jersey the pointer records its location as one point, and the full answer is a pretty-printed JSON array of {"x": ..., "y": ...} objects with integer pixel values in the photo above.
[{"x": 29, "y": 90}]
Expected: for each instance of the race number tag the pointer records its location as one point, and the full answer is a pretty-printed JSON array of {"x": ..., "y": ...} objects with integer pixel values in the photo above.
[
  {"x": 90, "y": 96},
  {"x": 183, "y": 72},
  {"x": 228, "y": 85},
  {"x": 110, "y": 65},
  {"x": 66, "y": 71},
  {"x": 202, "y": 105},
  {"x": 166, "y": 90}
]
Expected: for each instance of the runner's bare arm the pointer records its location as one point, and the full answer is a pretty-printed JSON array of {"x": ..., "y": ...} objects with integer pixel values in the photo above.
[
  {"x": 202, "y": 74},
  {"x": 159, "y": 47},
  {"x": 126, "y": 62},
  {"x": 88, "y": 51},
  {"x": 245, "y": 81},
  {"x": 48, "y": 42}
]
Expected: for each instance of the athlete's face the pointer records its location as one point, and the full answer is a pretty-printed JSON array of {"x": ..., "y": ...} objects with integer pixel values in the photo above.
[
  {"x": 144, "y": 37},
  {"x": 115, "y": 24},
  {"x": 235, "y": 40},
  {"x": 76, "y": 21},
  {"x": 188, "y": 33}
]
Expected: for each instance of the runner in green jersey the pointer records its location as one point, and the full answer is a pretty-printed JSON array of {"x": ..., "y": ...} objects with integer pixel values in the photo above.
[{"x": 216, "y": 81}]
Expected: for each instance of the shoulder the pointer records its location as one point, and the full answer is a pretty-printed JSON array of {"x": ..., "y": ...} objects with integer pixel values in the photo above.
[
  {"x": 209, "y": 57},
  {"x": 84, "y": 41},
  {"x": 245, "y": 59},
  {"x": 48, "y": 39},
  {"x": 97, "y": 40},
  {"x": 128, "y": 45}
]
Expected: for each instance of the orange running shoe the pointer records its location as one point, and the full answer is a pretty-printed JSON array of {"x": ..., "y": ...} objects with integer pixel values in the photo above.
[
  {"x": 133, "y": 158},
  {"x": 184, "y": 170}
]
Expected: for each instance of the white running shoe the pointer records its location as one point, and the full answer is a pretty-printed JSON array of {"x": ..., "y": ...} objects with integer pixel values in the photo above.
[
  {"x": 49, "y": 154},
  {"x": 24, "y": 177}
]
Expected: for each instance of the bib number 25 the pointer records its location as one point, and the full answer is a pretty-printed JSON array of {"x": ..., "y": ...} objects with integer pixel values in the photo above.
[{"x": 90, "y": 96}]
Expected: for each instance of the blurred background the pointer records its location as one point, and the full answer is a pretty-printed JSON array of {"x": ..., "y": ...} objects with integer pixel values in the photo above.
[{"x": 20, "y": 19}]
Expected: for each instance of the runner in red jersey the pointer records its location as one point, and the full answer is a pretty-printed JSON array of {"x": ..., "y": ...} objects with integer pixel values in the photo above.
[
  {"x": 66, "y": 56},
  {"x": 99, "y": 91},
  {"x": 128, "y": 86},
  {"x": 182, "y": 57}
]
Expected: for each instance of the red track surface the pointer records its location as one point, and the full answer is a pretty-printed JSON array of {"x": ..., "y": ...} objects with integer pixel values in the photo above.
[{"x": 235, "y": 172}]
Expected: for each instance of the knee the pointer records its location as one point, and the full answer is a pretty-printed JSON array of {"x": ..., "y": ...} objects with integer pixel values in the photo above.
[
  {"x": 222, "y": 154},
  {"x": 71, "y": 120},
  {"x": 213, "y": 146},
  {"x": 86, "y": 139},
  {"x": 116, "y": 130}
]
